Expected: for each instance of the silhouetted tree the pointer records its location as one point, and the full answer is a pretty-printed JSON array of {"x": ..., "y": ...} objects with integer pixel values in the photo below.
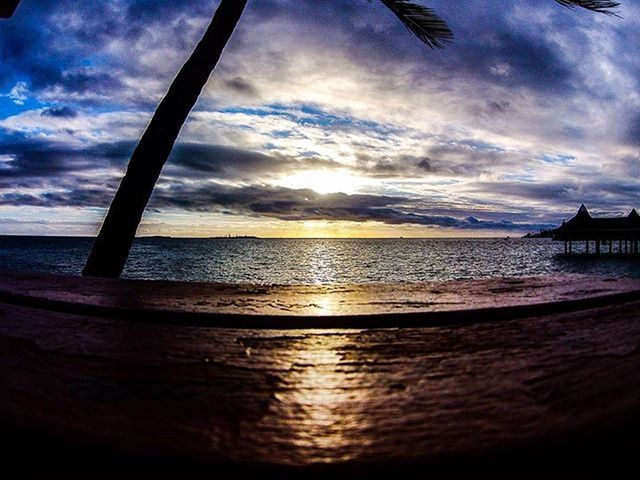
[
  {"x": 117, "y": 234},
  {"x": 7, "y": 7}
]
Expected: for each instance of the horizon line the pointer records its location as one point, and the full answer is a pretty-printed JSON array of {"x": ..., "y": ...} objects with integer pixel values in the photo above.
[{"x": 255, "y": 237}]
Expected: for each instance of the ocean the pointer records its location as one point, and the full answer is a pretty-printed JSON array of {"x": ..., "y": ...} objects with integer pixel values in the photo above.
[{"x": 316, "y": 261}]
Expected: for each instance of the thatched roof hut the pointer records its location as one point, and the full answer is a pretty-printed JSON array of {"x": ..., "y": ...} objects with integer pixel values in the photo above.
[{"x": 584, "y": 227}]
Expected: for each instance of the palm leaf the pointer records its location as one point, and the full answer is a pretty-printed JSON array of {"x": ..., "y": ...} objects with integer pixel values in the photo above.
[
  {"x": 600, "y": 6},
  {"x": 422, "y": 22}
]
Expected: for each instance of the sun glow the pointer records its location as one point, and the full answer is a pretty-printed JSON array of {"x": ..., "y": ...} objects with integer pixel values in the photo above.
[{"x": 323, "y": 181}]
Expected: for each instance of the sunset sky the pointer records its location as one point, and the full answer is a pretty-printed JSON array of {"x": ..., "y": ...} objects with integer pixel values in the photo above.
[{"x": 324, "y": 118}]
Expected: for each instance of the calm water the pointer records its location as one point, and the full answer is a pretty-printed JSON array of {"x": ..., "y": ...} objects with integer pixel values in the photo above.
[{"x": 315, "y": 261}]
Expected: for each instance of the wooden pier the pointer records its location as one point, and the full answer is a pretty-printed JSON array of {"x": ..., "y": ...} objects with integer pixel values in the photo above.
[{"x": 600, "y": 236}]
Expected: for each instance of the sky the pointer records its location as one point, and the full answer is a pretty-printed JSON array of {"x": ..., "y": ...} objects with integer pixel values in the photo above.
[{"x": 323, "y": 118}]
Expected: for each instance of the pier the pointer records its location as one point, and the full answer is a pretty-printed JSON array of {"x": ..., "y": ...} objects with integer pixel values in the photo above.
[{"x": 610, "y": 236}]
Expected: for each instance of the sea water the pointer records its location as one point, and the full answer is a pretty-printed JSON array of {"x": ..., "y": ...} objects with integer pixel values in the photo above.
[{"x": 313, "y": 261}]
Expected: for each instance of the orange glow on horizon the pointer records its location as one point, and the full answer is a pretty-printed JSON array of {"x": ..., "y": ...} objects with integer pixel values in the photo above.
[{"x": 310, "y": 229}]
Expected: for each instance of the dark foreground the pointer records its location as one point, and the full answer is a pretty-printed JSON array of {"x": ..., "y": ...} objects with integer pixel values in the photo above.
[{"x": 90, "y": 382}]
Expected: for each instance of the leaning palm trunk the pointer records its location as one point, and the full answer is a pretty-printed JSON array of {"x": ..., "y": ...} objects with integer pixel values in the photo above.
[{"x": 118, "y": 231}]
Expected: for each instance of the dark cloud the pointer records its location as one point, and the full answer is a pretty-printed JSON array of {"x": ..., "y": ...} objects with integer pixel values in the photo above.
[
  {"x": 608, "y": 195},
  {"x": 33, "y": 51},
  {"x": 488, "y": 47},
  {"x": 425, "y": 164},
  {"x": 242, "y": 86},
  {"x": 47, "y": 161},
  {"x": 266, "y": 201},
  {"x": 455, "y": 159},
  {"x": 76, "y": 177},
  {"x": 498, "y": 106},
  {"x": 562, "y": 193},
  {"x": 223, "y": 162},
  {"x": 59, "y": 112},
  {"x": 40, "y": 159},
  {"x": 93, "y": 82}
]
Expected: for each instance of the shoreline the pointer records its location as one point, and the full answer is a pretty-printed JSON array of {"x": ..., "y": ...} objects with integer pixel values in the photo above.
[
  {"x": 250, "y": 237},
  {"x": 251, "y": 306}
]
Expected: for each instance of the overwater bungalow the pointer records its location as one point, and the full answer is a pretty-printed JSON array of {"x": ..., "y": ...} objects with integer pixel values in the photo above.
[{"x": 619, "y": 234}]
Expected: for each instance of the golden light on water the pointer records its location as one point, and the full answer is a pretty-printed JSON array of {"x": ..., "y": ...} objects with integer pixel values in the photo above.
[
  {"x": 326, "y": 304},
  {"x": 321, "y": 259},
  {"x": 325, "y": 395}
]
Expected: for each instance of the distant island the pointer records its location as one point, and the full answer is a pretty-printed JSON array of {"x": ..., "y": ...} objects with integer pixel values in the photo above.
[
  {"x": 541, "y": 234},
  {"x": 157, "y": 237},
  {"x": 235, "y": 236}
]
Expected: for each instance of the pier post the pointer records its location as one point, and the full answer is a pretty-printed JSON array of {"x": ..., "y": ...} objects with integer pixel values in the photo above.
[
  {"x": 586, "y": 248},
  {"x": 597, "y": 247},
  {"x": 570, "y": 247},
  {"x": 610, "y": 247},
  {"x": 619, "y": 247}
]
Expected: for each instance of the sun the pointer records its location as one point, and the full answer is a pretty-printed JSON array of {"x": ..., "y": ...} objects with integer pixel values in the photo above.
[{"x": 324, "y": 181}]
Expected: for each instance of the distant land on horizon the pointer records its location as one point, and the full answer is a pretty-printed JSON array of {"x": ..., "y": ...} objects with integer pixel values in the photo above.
[
  {"x": 543, "y": 234},
  {"x": 232, "y": 237}
]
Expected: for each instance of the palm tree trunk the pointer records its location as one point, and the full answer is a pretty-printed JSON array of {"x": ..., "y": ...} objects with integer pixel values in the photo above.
[
  {"x": 111, "y": 247},
  {"x": 7, "y": 7}
]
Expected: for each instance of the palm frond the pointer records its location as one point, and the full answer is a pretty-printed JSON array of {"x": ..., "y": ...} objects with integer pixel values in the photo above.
[
  {"x": 600, "y": 6},
  {"x": 422, "y": 22}
]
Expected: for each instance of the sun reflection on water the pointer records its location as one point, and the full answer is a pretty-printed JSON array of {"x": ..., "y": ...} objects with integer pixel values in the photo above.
[
  {"x": 322, "y": 398},
  {"x": 321, "y": 261},
  {"x": 326, "y": 304}
]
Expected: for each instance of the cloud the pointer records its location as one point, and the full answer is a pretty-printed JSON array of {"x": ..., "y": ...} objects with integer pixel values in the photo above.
[
  {"x": 633, "y": 131},
  {"x": 614, "y": 197},
  {"x": 59, "y": 112},
  {"x": 54, "y": 176},
  {"x": 19, "y": 93},
  {"x": 49, "y": 160},
  {"x": 264, "y": 201},
  {"x": 532, "y": 109},
  {"x": 242, "y": 86}
]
